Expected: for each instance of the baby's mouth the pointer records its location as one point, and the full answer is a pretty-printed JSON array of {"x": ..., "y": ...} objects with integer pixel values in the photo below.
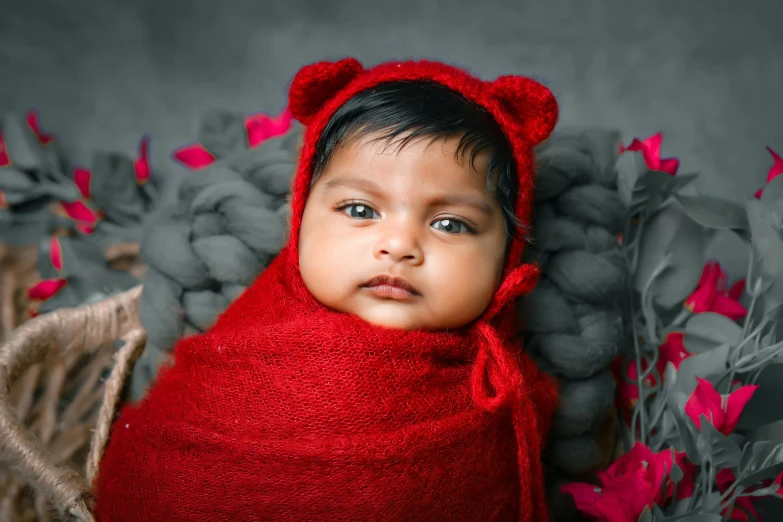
[{"x": 391, "y": 287}]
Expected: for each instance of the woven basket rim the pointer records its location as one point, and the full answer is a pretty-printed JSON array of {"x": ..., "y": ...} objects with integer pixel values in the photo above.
[{"x": 69, "y": 331}]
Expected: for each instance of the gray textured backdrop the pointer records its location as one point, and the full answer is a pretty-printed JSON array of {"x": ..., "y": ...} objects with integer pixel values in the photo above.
[{"x": 705, "y": 72}]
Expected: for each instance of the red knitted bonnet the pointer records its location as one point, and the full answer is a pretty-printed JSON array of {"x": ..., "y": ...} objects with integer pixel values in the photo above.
[{"x": 525, "y": 110}]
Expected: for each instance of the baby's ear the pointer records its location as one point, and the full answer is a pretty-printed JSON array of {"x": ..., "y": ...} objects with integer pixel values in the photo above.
[
  {"x": 529, "y": 104},
  {"x": 317, "y": 83}
]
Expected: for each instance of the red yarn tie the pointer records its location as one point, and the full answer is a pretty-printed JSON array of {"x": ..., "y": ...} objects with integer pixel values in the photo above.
[{"x": 496, "y": 366}]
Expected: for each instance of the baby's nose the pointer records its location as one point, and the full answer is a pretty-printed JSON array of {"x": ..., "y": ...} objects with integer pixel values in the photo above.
[{"x": 399, "y": 245}]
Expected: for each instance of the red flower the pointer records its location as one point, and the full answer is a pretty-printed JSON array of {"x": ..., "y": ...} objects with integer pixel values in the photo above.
[
  {"x": 774, "y": 171},
  {"x": 85, "y": 217},
  {"x": 46, "y": 289},
  {"x": 617, "y": 501},
  {"x": 5, "y": 160},
  {"x": 35, "y": 126},
  {"x": 651, "y": 150},
  {"x": 743, "y": 505},
  {"x": 258, "y": 127},
  {"x": 711, "y": 294},
  {"x": 671, "y": 351},
  {"x": 194, "y": 156},
  {"x": 142, "y": 163},
  {"x": 56, "y": 254},
  {"x": 723, "y": 411},
  {"x": 637, "y": 479},
  {"x": 82, "y": 178}
]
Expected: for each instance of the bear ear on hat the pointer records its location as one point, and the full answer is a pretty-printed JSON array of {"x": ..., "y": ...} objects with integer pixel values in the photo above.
[
  {"x": 529, "y": 104},
  {"x": 317, "y": 83}
]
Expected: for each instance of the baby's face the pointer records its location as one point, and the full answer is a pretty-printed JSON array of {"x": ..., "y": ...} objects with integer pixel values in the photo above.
[{"x": 406, "y": 238}]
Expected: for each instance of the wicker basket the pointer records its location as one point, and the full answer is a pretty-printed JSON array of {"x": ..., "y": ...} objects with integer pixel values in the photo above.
[{"x": 61, "y": 379}]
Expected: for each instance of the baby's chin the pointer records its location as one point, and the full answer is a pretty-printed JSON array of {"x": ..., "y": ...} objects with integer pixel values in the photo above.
[{"x": 397, "y": 317}]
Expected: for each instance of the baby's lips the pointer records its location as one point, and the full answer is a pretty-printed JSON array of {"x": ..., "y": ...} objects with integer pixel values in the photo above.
[{"x": 394, "y": 281}]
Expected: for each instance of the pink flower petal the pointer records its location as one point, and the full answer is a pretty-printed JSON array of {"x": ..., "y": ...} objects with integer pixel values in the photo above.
[
  {"x": 728, "y": 307},
  {"x": 650, "y": 148},
  {"x": 82, "y": 178},
  {"x": 592, "y": 501},
  {"x": 46, "y": 289},
  {"x": 687, "y": 486},
  {"x": 194, "y": 156},
  {"x": 84, "y": 229},
  {"x": 35, "y": 126},
  {"x": 644, "y": 148},
  {"x": 142, "y": 163},
  {"x": 56, "y": 253},
  {"x": 777, "y": 166},
  {"x": 79, "y": 211},
  {"x": 3, "y": 200},
  {"x": 670, "y": 165},
  {"x": 736, "y": 290},
  {"x": 704, "y": 400},
  {"x": 5, "y": 160},
  {"x": 735, "y": 403},
  {"x": 702, "y": 298},
  {"x": 260, "y": 127},
  {"x": 759, "y": 192},
  {"x": 672, "y": 351},
  {"x": 629, "y": 462},
  {"x": 653, "y": 145}
]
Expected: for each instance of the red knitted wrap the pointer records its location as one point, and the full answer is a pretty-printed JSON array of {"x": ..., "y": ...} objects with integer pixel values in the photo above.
[{"x": 288, "y": 411}]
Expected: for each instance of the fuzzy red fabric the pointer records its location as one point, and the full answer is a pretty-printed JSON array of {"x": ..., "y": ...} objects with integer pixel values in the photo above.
[{"x": 288, "y": 411}]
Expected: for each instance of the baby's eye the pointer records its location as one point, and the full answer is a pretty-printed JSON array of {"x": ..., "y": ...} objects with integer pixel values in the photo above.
[
  {"x": 452, "y": 226},
  {"x": 357, "y": 211}
]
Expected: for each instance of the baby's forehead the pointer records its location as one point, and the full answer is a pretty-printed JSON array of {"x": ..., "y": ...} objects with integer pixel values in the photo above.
[{"x": 448, "y": 149}]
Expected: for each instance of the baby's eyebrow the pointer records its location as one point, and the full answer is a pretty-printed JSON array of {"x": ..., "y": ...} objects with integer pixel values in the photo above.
[
  {"x": 466, "y": 201},
  {"x": 362, "y": 184}
]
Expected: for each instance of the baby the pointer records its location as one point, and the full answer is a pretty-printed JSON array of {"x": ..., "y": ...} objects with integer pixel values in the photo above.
[{"x": 370, "y": 372}]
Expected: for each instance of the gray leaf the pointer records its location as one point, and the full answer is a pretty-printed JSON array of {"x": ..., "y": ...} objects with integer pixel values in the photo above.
[
  {"x": 724, "y": 452},
  {"x": 768, "y": 247},
  {"x": 763, "y": 460},
  {"x": 630, "y": 167},
  {"x": 714, "y": 212},
  {"x": 708, "y": 330},
  {"x": 670, "y": 232},
  {"x": 646, "y": 515},
  {"x": 772, "y": 196},
  {"x": 686, "y": 429},
  {"x": 654, "y": 187},
  {"x": 21, "y": 143},
  {"x": 708, "y": 365},
  {"x": 15, "y": 180}
]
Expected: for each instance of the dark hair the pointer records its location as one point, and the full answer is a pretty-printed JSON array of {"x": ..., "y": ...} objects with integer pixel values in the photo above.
[{"x": 404, "y": 111}]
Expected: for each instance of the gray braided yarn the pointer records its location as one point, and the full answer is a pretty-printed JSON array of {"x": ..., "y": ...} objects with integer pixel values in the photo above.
[
  {"x": 573, "y": 323},
  {"x": 229, "y": 222}
]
